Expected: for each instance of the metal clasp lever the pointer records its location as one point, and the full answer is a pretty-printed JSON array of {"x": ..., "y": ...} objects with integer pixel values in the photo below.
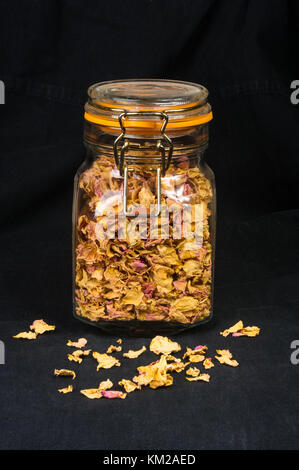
[{"x": 120, "y": 159}]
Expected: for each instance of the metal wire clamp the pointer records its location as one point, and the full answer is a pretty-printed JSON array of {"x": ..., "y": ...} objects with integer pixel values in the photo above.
[{"x": 122, "y": 165}]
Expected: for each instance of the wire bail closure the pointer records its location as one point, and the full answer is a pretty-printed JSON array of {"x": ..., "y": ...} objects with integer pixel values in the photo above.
[{"x": 120, "y": 158}]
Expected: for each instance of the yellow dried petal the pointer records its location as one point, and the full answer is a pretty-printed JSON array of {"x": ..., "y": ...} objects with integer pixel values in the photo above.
[
  {"x": 203, "y": 377},
  {"x": 155, "y": 374},
  {"x": 225, "y": 357},
  {"x": 119, "y": 341},
  {"x": 196, "y": 358},
  {"x": 106, "y": 384},
  {"x": 74, "y": 358},
  {"x": 171, "y": 358},
  {"x": 185, "y": 304},
  {"x": 80, "y": 343},
  {"x": 233, "y": 329},
  {"x": 146, "y": 197},
  {"x": 208, "y": 363},
  {"x": 196, "y": 355},
  {"x": 113, "y": 348},
  {"x": 105, "y": 361},
  {"x": 96, "y": 393},
  {"x": 163, "y": 345},
  {"x": 133, "y": 354},
  {"x": 129, "y": 386},
  {"x": 249, "y": 331},
  {"x": 26, "y": 335},
  {"x": 163, "y": 278},
  {"x": 80, "y": 352},
  {"x": 133, "y": 297},
  {"x": 112, "y": 274},
  {"x": 92, "y": 393},
  {"x": 192, "y": 267},
  {"x": 40, "y": 327},
  {"x": 65, "y": 372},
  {"x": 66, "y": 389},
  {"x": 169, "y": 255},
  {"x": 177, "y": 366},
  {"x": 193, "y": 371}
]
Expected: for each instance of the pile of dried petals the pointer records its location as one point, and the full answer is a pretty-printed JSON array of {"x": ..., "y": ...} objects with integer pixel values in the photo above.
[
  {"x": 147, "y": 279},
  {"x": 154, "y": 375}
]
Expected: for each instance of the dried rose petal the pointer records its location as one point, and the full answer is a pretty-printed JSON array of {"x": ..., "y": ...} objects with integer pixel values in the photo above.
[
  {"x": 249, "y": 331},
  {"x": 155, "y": 374},
  {"x": 233, "y": 329},
  {"x": 113, "y": 348},
  {"x": 113, "y": 394},
  {"x": 163, "y": 345},
  {"x": 80, "y": 343},
  {"x": 92, "y": 393},
  {"x": 40, "y": 327},
  {"x": 26, "y": 335},
  {"x": 193, "y": 371},
  {"x": 65, "y": 372},
  {"x": 208, "y": 363},
  {"x": 68, "y": 389},
  {"x": 105, "y": 361},
  {"x": 225, "y": 357},
  {"x": 129, "y": 386},
  {"x": 201, "y": 377},
  {"x": 133, "y": 354}
]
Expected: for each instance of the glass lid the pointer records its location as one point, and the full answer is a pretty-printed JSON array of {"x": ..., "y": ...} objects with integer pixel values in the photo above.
[{"x": 144, "y": 102}]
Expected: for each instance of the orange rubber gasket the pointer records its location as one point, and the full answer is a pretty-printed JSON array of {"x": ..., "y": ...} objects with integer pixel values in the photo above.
[{"x": 150, "y": 124}]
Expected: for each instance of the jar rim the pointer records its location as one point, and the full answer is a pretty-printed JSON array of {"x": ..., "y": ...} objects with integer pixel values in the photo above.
[{"x": 142, "y": 103}]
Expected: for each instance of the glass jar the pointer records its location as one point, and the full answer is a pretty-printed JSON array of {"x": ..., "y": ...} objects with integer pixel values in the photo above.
[{"x": 144, "y": 209}]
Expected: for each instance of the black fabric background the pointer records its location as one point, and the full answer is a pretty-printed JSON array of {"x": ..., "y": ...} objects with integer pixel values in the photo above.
[{"x": 246, "y": 53}]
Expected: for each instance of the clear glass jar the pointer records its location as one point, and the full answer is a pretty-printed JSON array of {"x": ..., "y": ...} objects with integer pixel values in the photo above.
[{"x": 144, "y": 209}]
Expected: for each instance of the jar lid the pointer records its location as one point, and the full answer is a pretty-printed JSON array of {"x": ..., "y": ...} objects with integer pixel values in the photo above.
[{"x": 143, "y": 102}]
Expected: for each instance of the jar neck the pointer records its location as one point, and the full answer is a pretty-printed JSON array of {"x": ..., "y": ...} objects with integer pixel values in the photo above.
[{"x": 141, "y": 149}]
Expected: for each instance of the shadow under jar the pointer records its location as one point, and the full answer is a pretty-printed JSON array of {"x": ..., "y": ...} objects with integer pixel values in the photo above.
[{"x": 144, "y": 209}]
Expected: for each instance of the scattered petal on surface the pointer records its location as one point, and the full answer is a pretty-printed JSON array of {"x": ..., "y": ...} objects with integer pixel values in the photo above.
[
  {"x": 74, "y": 358},
  {"x": 113, "y": 348},
  {"x": 113, "y": 394},
  {"x": 163, "y": 345},
  {"x": 249, "y": 331},
  {"x": 26, "y": 335},
  {"x": 225, "y": 357},
  {"x": 203, "y": 377},
  {"x": 92, "y": 393},
  {"x": 105, "y": 361},
  {"x": 177, "y": 366},
  {"x": 96, "y": 393},
  {"x": 68, "y": 389},
  {"x": 133, "y": 354},
  {"x": 193, "y": 371},
  {"x": 238, "y": 326},
  {"x": 239, "y": 330},
  {"x": 208, "y": 363},
  {"x": 80, "y": 343},
  {"x": 155, "y": 374},
  {"x": 40, "y": 327},
  {"x": 81, "y": 352},
  {"x": 65, "y": 372},
  {"x": 105, "y": 384},
  {"x": 129, "y": 386},
  {"x": 196, "y": 354}
]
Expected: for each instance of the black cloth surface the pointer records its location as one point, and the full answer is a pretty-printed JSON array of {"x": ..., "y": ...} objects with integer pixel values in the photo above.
[{"x": 245, "y": 53}]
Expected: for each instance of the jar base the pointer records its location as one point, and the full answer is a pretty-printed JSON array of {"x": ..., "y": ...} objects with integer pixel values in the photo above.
[{"x": 137, "y": 328}]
